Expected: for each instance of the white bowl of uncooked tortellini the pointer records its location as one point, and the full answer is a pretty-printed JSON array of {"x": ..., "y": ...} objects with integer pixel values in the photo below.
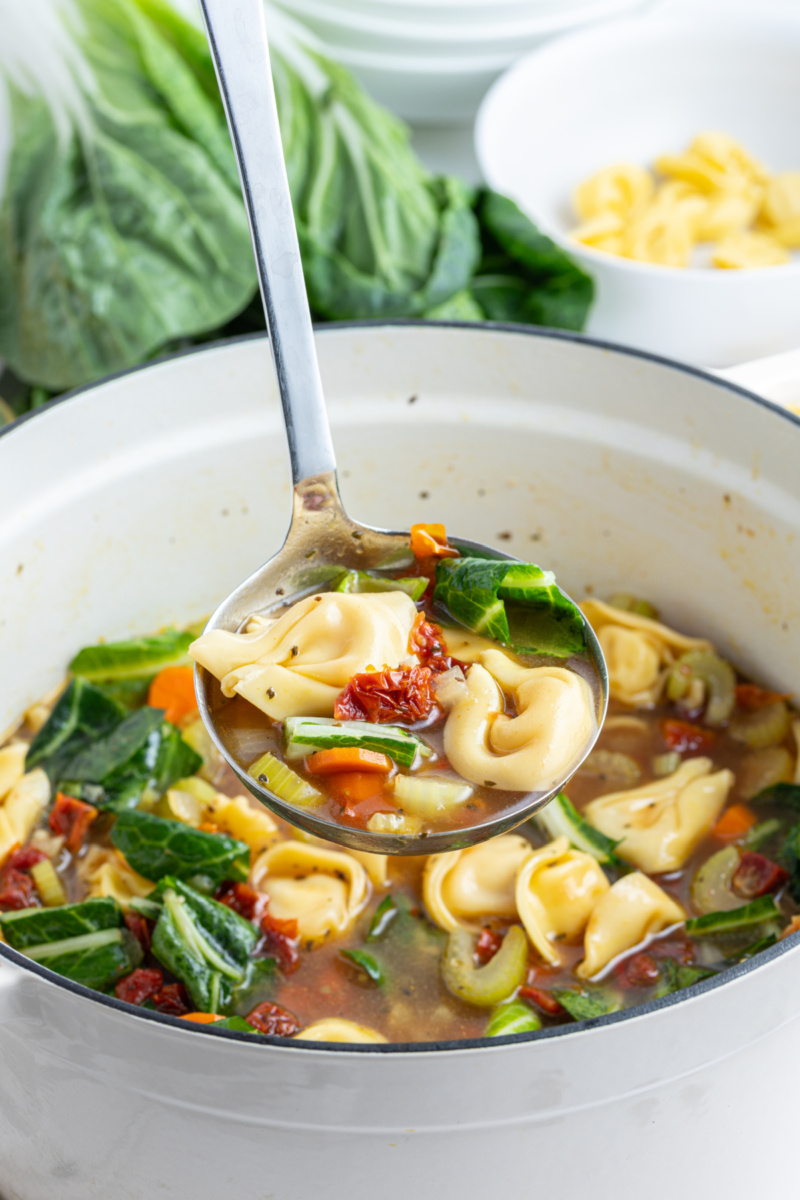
[{"x": 661, "y": 153}]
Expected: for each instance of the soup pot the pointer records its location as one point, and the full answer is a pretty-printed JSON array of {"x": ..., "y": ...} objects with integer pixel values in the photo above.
[{"x": 143, "y": 500}]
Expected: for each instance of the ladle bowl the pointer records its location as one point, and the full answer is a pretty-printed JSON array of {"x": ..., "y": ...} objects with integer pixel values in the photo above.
[{"x": 322, "y": 540}]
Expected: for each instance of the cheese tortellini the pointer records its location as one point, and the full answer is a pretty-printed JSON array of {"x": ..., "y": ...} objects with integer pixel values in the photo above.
[
  {"x": 106, "y": 873},
  {"x": 298, "y": 664},
  {"x": 659, "y": 824},
  {"x": 527, "y": 752},
  {"x": 336, "y": 1029},
  {"x": 638, "y": 651},
  {"x": 556, "y": 891},
  {"x": 633, "y": 909},
  {"x": 323, "y": 890},
  {"x": 462, "y": 887},
  {"x": 23, "y": 803}
]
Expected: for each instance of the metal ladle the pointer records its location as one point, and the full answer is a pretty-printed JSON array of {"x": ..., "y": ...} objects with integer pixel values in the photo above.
[{"x": 322, "y": 539}]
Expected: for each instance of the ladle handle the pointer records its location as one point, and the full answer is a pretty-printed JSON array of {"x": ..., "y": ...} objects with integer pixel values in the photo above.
[{"x": 237, "y": 36}]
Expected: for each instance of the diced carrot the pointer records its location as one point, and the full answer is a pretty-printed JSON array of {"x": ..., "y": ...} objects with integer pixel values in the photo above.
[
  {"x": 201, "y": 1018},
  {"x": 173, "y": 690},
  {"x": 733, "y": 823},
  {"x": 348, "y": 758},
  {"x": 431, "y": 541}
]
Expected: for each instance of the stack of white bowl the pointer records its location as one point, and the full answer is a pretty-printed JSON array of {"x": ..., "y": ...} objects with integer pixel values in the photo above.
[{"x": 431, "y": 61}]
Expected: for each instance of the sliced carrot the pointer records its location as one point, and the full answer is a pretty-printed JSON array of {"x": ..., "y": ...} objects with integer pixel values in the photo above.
[
  {"x": 201, "y": 1018},
  {"x": 733, "y": 823},
  {"x": 173, "y": 690},
  {"x": 431, "y": 541},
  {"x": 347, "y": 758}
]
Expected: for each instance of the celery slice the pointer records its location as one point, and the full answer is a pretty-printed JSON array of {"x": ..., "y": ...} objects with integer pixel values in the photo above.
[
  {"x": 285, "y": 783},
  {"x": 428, "y": 797},
  {"x": 48, "y": 884},
  {"x": 362, "y": 581},
  {"x": 304, "y": 735}
]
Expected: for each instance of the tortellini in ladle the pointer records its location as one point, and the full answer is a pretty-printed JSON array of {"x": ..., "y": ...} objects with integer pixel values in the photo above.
[
  {"x": 556, "y": 891},
  {"x": 659, "y": 824},
  {"x": 638, "y": 651},
  {"x": 298, "y": 664},
  {"x": 323, "y": 890},
  {"x": 462, "y": 887},
  {"x": 633, "y": 909},
  {"x": 529, "y": 751}
]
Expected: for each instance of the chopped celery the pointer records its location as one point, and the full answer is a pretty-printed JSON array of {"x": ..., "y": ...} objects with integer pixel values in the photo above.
[
  {"x": 666, "y": 764},
  {"x": 363, "y": 581},
  {"x": 560, "y": 818},
  {"x": 511, "y": 1017},
  {"x": 485, "y": 986},
  {"x": 427, "y": 797},
  {"x": 304, "y": 735},
  {"x": 48, "y": 884},
  {"x": 394, "y": 822},
  {"x": 757, "y": 912},
  {"x": 714, "y": 673},
  {"x": 285, "y": 783}
]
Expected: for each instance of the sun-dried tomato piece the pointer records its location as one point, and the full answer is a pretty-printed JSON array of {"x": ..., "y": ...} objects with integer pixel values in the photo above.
[
  {"x": 142, "y": 984},
  {"x": 243, "y": 899},
  {"x": 18, "y": 890},
  {"x": 544, "y": 1000},
  {"x": 426, "y": 640},
  {"x": 751, "y": 697},
  {"x": 24, "y": 858},
  {"x": 281, "y": 940},
  {"x": 394, "y": 694},
  {"x": 269, "y": 1018},
  {"x": 71, "y": 818},
  {"x": 686, "y": 738},
  {"x": 487, "y": 946},
  {"x": 138, "y": 926},
  {"x": 756, "y": 876},
  {"x": 172, "y": 1000},
  {"x": 640, "y": 970}
]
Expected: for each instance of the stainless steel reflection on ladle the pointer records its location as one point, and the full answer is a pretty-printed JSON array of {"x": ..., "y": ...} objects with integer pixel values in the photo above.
[{"x": 322, "y": 539}]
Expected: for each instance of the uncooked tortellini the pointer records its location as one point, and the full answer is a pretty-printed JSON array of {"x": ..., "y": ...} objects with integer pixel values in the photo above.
[
  {"x": 298, "y": 664},
  {"x": 633, "y": 909},
  {"x": 638, "y": 651},
  {"x": 528, "y": 752},
  {"x": 660, "y": 823},
  {"x": 556, "y": 892},
  {"x": 462, "y": 887},
  {"x": 323, "y": 890}
]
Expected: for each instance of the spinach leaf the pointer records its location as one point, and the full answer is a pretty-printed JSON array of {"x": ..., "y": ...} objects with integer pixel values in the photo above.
[
  {"x": 81, "y": 714},
  {"x": 789, "y": 856},
  {"x": 384, "y": 914},
  {"x": 86, "y": 942},
  {"x": 675, "y": 976},
  {"x": 205, "y": 944},
  {"x": 136, "y": 659},
  {"x": 582, "y": 1005},
  {"x": 524, "y": 276},
  {"x": 143, "y": 753},
  {"x": 237, "y": 1023},
  {"x": 735, "y": 920},
  {"x": 366, "y": 963},
  {"x": 157, "y": 847},
  {"x": 122, "y": 230},
  {"x": 485, "y": 594},
  {"x": 785, "y": 795}
]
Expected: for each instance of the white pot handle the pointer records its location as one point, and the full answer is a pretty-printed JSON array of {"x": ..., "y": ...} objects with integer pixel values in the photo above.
[{"x": 776, "y": 378}]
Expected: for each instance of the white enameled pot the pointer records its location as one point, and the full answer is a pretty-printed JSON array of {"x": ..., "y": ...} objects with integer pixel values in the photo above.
[{"x": 143, "y": 500}]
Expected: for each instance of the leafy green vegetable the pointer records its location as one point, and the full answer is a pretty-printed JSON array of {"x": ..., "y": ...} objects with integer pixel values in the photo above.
[
  {"x": 523, "y": 276},
  {"x": 384, "y": 914},
  {"x": 560, "y": 818},
  {"x": 675, "y": 976},
  {"x": 142, "y": 754},
  {"x": 785, "y": 795},
  {"x": 789, "y": 856},
  {"x": 86, "y": 942},
  {"x": 763, "y": 943},
  {"x": 121, "y": 226},
  {"x": 157, "y": 847},
  {"x": 758, "y": 835},
  {"x": 366, "y": 963},
  {"x": 475, "y": 592},
  {"x": 205, "y": 944},
  {"x": 582, "y": 1005},
  {"x": 237, "y": 1023},
  {"x": 257, "y": 985},
  {"x": 136, "y": 659},
  {"x": 757, "y": 912},
  {"x": 511, "y": 1017},
  {"x": 81, "y": 714},
  {"x": 363, "y": 581}
]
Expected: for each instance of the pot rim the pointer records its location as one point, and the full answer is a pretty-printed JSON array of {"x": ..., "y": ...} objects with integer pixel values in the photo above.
[{"x": 729, "y": 975}]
